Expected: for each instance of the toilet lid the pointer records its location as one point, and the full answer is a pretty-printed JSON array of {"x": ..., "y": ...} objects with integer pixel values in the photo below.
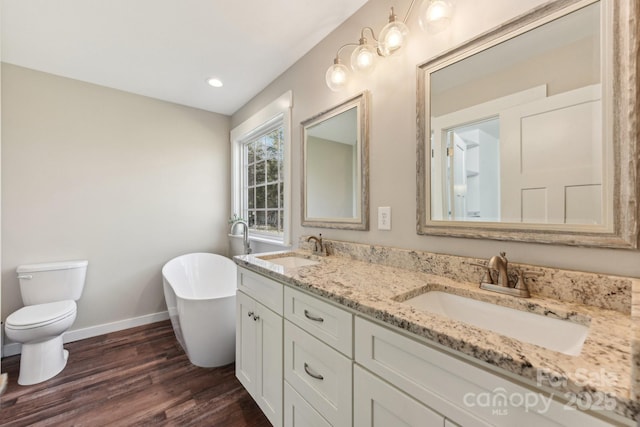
[{"x": 41, "y": 314}]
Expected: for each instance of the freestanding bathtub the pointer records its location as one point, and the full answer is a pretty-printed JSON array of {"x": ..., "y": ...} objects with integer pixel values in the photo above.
[{"x": 200, "y": 291}]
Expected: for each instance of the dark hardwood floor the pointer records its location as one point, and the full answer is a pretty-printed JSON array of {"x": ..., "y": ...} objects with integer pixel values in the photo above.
[{"x": 136, "y": 377}]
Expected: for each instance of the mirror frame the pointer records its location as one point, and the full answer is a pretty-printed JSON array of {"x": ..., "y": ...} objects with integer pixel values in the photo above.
[
  {"x": 361, "y": 102},
  {"x": 623, "y": 16}
]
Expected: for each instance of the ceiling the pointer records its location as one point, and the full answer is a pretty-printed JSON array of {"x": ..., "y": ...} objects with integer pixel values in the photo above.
[{"x": 167, "y": 49}]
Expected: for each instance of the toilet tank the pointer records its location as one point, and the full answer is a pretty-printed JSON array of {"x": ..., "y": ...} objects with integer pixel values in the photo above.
[{"x": 53, "y": 281}]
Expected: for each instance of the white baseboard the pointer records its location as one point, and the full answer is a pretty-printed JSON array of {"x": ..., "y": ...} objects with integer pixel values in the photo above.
[{"x": 11, "y": 349}]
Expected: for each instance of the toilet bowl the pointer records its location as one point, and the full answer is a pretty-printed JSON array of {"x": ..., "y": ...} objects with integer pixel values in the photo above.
[
  {"x": 39, "y": 328},
  {"x": 49, "y": 292}
]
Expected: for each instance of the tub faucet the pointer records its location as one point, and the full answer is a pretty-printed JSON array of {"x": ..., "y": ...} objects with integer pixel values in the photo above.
[{"x": 245, "y": 235}]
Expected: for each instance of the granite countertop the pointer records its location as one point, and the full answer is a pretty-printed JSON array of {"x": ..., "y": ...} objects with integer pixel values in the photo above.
[{"x": 603, "y": 368}]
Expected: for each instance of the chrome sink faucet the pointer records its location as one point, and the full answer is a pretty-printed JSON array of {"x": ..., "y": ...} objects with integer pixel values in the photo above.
[
  {"x": 245, "y": 235},
  {"x": 497, "y": 277}
]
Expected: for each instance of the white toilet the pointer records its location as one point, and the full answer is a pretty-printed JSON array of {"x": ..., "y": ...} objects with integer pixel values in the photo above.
[{"x": 49, "y": 293}]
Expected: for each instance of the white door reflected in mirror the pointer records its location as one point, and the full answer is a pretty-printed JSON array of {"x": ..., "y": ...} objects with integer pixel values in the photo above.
[{"x": 531, "y": 163}]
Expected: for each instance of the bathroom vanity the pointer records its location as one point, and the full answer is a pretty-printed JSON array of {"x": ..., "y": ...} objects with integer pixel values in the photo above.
[
  {"x": 337, "y": 341},
  {"x": 372, "y": 335}
]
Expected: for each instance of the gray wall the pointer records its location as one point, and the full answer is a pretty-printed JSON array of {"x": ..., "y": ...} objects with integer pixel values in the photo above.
[
  {"x": 122, "y": 180},
  {"x": 330, "y": 167},
  {"x": 393, "y": 134}
]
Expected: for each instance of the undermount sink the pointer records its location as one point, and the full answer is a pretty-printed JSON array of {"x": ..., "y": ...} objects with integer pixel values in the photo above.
[
  {"x": 291, "y": 261},
  {"x": 554, "y": 334}
]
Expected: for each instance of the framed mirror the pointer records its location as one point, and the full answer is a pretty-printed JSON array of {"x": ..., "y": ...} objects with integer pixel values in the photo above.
[
  {"x": 529, "y": 132},
  {"x": 335, "y": 172}
]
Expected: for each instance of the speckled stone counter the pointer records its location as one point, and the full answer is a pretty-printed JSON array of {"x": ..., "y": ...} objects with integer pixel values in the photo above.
[{"x": 605, "y": 367}]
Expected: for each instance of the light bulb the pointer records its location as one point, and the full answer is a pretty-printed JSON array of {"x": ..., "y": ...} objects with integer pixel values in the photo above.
[
  {"x": 392, "y": 36},
  {"x": 337, "y": 76},
  {"x": 435, "y": 15},
  {"x": 363, "y": 58},
  {"x": 393, "y": 39}
]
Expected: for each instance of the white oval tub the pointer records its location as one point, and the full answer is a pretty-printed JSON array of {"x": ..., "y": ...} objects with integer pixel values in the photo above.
[{"x": 200, "y": 292}]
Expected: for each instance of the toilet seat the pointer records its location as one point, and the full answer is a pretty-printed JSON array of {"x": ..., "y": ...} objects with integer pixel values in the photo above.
[{"x": 39, "y": 315}]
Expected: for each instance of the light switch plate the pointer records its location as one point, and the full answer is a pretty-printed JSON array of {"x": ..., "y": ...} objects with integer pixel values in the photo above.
[{"x": 384, "y": 218}]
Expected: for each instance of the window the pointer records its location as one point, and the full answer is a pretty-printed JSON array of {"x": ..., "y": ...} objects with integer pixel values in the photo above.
[
  {"x": 264, "y": 188},
  {"x": 260, "y": 151}
]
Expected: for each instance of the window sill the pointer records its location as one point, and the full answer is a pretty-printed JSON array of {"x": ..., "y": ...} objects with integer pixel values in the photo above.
[{"x": 261, "y": 239}]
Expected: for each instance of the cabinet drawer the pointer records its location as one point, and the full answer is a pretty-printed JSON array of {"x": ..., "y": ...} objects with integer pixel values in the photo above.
[
  {"x": 324, "y": 321},
  {"x": 268, "y": 292},
  {"x": 378, "y": 404},
  {"x": 455, "y": 388},
  {"x": 321, "y": 375},
  {"x": 298, "y": 412}
]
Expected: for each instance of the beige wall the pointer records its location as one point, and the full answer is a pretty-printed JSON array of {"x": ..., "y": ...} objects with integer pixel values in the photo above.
[
  {"x": 563, "y": 69},
  {"x": 393, "y": 130},
  {"x": 124, "y": 181}
]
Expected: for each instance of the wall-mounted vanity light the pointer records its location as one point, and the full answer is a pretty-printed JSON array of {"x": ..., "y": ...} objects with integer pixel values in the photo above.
[{"x": 434, "y": 16}]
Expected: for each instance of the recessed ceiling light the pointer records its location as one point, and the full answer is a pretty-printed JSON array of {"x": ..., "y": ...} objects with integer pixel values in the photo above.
[{"x": 215, "y": 82}]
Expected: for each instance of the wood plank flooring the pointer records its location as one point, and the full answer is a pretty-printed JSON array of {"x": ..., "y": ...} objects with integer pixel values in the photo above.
[{"x": 135, "y": 377}]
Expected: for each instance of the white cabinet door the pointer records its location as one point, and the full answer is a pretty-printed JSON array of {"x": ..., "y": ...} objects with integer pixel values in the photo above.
[
  {"x": 376, "y": 403},
  {"x": 246, "y": 342},
  {"x": 259, "y": 355},
  {"x": 268, "y": 393}
]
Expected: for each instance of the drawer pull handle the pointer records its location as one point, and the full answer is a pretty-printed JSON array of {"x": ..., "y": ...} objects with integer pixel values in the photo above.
[
  {"x": 250, "y": 314},
  {"x": 314, "y": 318},
  {"x": 256, "y": 318},
  {"x": 311, "y": 374}
]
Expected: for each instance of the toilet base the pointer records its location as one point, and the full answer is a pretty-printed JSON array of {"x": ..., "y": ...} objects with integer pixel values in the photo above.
[{"x": 42, "y": 360}]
